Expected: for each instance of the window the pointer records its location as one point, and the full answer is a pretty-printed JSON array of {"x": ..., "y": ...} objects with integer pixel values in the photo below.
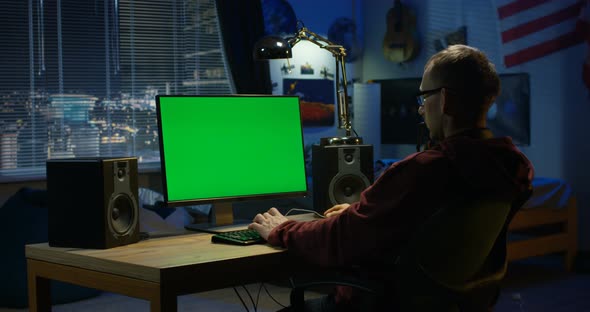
[{"x": 79, "y": 77}]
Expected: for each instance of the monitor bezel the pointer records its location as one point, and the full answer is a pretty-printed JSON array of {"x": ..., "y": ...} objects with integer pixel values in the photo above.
[{"x": 232, "y": 199}]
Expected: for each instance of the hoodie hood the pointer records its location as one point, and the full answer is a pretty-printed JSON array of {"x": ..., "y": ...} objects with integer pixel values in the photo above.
[{"x": 487, "y": 165}]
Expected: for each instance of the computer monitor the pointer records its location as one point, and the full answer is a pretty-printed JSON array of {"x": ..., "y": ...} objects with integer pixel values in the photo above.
[{"x": 223, "y": 149}]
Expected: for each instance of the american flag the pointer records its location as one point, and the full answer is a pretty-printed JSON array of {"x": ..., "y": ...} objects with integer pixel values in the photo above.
[{"x": 531, "y": 29}]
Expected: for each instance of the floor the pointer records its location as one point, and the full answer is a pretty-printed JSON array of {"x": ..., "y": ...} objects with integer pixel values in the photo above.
[
  {"x": 219, "y": 300},
  {"x": 541, "y": 284}
]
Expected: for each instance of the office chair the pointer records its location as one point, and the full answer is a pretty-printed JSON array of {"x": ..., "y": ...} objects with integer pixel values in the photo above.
[{"x": 454, "y": 262}]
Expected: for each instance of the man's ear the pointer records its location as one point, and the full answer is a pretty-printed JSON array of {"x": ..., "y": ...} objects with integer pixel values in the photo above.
[{"x": 448, "y": 102}]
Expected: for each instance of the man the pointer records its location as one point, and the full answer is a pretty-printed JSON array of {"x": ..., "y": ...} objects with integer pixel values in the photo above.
[{"x": 458, "y": 87}]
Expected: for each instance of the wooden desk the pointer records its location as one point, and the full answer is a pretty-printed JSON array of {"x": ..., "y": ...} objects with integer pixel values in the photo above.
[{"x": 157, "y": 270}]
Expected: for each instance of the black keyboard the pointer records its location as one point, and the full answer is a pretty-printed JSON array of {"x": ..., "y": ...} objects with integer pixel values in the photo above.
[{"x": 239, "y": 237}]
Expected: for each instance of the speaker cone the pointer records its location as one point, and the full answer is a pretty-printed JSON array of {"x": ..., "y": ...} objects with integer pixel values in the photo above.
[
  {"x": 122, "y": 214},
  {"x": 348, "y": 188}
]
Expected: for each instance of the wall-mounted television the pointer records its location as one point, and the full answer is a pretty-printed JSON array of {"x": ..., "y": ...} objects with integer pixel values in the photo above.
[
  {"x": 399, "y": 110},
  {"x": 509, "y": 116}
]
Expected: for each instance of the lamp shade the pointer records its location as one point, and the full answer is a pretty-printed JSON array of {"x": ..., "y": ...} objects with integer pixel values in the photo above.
[{"x": 272, "y": 47}]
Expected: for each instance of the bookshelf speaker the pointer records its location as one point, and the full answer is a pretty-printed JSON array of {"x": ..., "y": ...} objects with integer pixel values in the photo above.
[
  {"x": 340, "y": 173},
  {"x": 92, "y": 202}
]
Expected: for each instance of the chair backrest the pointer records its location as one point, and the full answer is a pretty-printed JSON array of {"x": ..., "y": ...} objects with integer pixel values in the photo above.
[
  {"x": 447, "y": 267},
  {"x": 441, "y": 270},
  {"x": 453, "y": 245}
]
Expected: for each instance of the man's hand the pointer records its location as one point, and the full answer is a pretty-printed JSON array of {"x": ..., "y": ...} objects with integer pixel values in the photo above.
[
  {"x": 264, "y": 223},
  {"x": 337, "y": 209}
]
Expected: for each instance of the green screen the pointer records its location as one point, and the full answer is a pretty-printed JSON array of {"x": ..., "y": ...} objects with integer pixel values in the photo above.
[{"x": 228, "y": 147}]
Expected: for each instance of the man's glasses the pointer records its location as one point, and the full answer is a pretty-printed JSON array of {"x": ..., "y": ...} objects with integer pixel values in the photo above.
[{"x": 421, "y": 97}]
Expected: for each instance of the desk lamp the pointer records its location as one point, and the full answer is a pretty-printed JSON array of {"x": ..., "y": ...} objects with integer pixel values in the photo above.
[
  {"x": 342, "y": 166},
  {"x": 275, "y": 47}
]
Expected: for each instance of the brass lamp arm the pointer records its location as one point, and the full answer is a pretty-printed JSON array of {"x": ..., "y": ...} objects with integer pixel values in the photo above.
[
  {"x": 339, "y": 53},
  {"x": 305, "y": 34}
]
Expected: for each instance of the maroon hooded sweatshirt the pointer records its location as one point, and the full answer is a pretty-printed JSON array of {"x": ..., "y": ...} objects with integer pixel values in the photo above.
[{"x": 370, "y": 233}]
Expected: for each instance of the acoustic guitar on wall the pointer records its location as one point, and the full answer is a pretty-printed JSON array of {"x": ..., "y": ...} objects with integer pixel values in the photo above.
[{"x": 400, "y": 43}]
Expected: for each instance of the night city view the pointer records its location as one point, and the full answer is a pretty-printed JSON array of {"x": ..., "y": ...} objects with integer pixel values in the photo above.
[
  {"x": 80, "y": 79},
  {"x": 76, "y": 125}
]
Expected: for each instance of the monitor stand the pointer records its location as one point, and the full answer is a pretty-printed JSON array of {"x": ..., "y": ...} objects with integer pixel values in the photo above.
[{"x": 222, "y": 220}]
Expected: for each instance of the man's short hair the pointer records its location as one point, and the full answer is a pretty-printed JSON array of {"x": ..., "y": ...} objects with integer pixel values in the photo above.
[{"x": 467, "y": 71}]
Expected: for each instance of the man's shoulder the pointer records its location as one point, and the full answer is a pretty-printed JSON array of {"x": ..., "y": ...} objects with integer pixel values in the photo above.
[
  {"x": 432, "y": 157},
  {"x": 425, "y": 161}
]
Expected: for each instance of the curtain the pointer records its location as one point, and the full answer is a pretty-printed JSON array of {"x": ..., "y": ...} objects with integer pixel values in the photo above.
[{"x": 242, "y": 24}]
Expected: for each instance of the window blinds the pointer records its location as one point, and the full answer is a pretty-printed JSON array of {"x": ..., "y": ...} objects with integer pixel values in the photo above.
[{"x": 79, "y": 78}]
